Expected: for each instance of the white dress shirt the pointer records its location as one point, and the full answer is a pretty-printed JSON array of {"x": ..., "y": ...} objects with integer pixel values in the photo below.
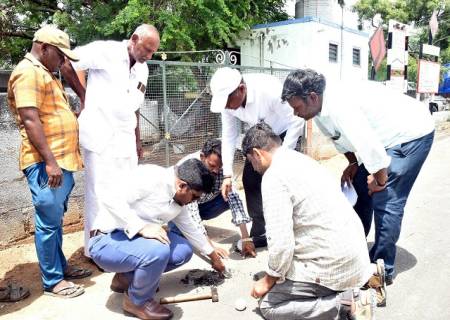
[
  {"x": 313, "y": 233},
  {"x": 263, "y": 104},
  {"x": 114, "y": 92},
  {"x": 367, "y": 117},
  {"x": 147, "y": 197}
]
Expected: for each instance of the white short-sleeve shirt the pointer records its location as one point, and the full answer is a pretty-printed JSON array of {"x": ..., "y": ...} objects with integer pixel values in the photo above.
[
  {"x": 114, "y": 92},
  {"x": 263, "y": 104}
]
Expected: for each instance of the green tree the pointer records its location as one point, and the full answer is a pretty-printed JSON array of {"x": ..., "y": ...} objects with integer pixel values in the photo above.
[
  {"x": 416, "y": 13},
  {"x": 184, "y": 24}
]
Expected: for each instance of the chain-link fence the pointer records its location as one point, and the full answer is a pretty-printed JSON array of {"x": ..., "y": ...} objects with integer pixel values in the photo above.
[{"x": 175, "y": 118}]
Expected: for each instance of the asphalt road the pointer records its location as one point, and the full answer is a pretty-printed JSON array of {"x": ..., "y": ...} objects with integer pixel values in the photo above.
[{"x": 420, "y": 291}]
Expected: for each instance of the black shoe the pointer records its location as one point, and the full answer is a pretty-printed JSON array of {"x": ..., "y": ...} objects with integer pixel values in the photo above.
[
  {"x": 260, "y": 241},
  {"x": 389, "y": 280}
]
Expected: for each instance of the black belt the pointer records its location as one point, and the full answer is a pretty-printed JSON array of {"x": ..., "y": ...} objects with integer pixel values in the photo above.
[{"x": 95, "y": 232}]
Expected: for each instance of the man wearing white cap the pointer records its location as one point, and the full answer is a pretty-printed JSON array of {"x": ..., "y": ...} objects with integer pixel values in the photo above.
[
  {"x": 250, "y": 98},
  {"x": 49, "y": 153}
]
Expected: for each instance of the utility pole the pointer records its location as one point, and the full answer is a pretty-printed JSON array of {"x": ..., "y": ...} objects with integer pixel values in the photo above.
[{"x": 342, "y": 4}]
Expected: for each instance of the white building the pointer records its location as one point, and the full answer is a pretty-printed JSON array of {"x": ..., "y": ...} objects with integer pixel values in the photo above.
[{"x": 325, "y": 38}]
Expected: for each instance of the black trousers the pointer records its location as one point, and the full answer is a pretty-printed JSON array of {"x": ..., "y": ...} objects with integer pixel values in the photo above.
[{"x": 252, "y": 187}]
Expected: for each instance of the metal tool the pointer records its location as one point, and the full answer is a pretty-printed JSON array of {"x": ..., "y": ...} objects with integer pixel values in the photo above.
[
  {"x": 213, "y": 295},
  {"x": 227, "y": 273}
]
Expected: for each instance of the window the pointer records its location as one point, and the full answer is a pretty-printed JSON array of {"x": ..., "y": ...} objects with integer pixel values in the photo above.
[
  {"x": 356, "y": 56},
  {"x": 333, "y": 52}
]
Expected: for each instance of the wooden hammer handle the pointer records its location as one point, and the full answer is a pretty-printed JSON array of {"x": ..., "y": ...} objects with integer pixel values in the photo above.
[{"x": 185, "y": 298}]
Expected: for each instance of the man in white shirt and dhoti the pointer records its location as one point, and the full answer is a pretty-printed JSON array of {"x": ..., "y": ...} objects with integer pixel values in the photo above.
[{"x": 109, "y": 122}]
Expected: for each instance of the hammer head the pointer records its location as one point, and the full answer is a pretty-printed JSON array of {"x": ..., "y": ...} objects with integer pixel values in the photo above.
[{"x": 214, "y": 294}]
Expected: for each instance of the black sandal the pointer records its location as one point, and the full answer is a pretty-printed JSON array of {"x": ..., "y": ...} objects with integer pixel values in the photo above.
[
  {"x": 13, "y": 293},
  {"x": 73, "y": 273}
]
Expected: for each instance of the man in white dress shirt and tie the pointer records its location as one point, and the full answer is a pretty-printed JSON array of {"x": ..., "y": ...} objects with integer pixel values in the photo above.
[
  {"x": 386, "y": 137},
  {"x": 250, "y": 98}
]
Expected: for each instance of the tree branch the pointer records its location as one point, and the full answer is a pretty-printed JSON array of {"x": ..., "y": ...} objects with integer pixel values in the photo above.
[
  {"x": 48, "y": 4},
  {"x": 15, "y": 34}
]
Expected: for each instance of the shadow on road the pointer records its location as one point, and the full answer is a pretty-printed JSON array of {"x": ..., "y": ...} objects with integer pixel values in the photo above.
[
  {"x": 405, "y": 260},
  {"x": 221, "y": 235}
]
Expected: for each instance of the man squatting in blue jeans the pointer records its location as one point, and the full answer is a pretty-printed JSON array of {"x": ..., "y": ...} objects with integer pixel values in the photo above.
[
  {"x": 128, "y": 238},
  {"x": 211, "y": 205}
]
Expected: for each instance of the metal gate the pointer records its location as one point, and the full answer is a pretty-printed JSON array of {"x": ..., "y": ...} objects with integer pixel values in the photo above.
[{"x": 175, "y": 118}]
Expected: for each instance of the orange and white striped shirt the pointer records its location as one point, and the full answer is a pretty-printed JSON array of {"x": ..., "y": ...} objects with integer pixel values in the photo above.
[{"x": 32, "y": 85}]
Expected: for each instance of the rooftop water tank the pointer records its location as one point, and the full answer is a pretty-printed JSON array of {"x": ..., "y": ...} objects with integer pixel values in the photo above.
[{"x": 315, "y": 8}]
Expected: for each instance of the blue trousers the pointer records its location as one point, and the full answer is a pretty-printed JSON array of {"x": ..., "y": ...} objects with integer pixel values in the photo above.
[
  {"x": 50, "y": 206},
  {"x": 388, "y": 205},
  {"x": 142, "y": 260},
  {"x": 213, "y": 208},
  {"x": 207, "y": 210}
]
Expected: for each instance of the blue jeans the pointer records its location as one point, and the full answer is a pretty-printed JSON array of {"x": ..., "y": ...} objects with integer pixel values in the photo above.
[
  {"x": 142, "y": 260},
  {"x": 388, "y": 205},
  {"x": 208, "y": 210},
  {"x": 50, "y": 206}
]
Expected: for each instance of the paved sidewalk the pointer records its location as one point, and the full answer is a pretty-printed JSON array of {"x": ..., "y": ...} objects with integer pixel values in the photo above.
[{"x": 420, "y": 290}]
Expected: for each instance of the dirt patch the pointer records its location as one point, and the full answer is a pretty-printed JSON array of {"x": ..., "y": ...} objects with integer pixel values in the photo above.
[
  {"x": 19, "y": 264},
  {"x": 198, "y": 277}
]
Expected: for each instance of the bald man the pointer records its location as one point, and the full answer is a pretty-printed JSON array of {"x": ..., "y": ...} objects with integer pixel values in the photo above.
[{"x": 109, "y": 118}]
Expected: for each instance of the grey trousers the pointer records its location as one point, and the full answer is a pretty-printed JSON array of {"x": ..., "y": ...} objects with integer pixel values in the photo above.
[{"x": 301, "y": 300}]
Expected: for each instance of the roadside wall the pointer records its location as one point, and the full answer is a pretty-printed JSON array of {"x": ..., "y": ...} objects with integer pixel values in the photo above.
[{"x": 16, "y": 210}]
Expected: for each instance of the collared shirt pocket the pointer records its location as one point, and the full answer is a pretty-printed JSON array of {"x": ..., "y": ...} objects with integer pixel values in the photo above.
[{"x": 137, "y": 94}]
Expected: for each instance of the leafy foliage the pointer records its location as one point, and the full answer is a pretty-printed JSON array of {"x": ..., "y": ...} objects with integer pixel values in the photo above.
[{"x": 184, "y": 24}]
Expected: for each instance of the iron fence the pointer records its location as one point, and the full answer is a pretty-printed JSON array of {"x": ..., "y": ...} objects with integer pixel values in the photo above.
[{"x": 175, "y": 118}]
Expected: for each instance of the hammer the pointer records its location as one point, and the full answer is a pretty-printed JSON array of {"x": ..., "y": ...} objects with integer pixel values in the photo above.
[{"x": 214, "y": 296}]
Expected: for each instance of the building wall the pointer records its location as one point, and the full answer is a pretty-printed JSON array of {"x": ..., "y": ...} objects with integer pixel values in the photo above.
[{"x": 304, "y": 43}]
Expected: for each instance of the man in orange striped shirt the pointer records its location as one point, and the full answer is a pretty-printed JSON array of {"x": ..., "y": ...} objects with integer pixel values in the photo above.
[{"x": 49, "y": 153}]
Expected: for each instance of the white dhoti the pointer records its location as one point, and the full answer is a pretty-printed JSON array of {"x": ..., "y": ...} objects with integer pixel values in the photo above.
[{"x": 102, "y": 172}]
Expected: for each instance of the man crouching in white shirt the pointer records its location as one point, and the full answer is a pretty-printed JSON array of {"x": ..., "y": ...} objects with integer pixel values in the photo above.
[
  {"x": 316, "y": 244},
  {"x": 128, "y": 238}
]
